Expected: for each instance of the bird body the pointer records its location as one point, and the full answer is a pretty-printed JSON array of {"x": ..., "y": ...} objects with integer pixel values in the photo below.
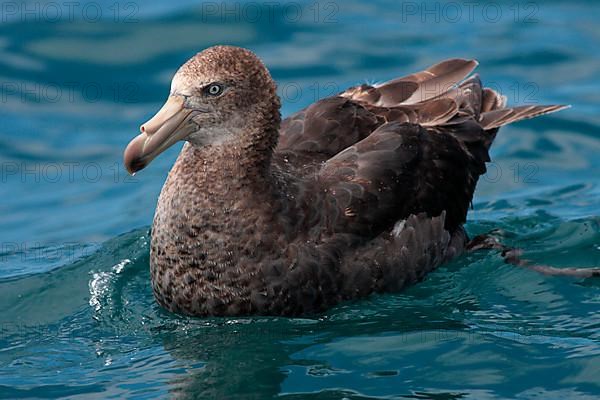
[{"x": 359, "y": 193}]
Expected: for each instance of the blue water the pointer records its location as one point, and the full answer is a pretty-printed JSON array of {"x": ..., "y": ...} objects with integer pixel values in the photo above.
[{"x": 77, "y": 317}]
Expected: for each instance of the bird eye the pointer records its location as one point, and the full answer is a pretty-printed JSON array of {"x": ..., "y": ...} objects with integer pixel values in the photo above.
[{"x": 214, "y": 89}]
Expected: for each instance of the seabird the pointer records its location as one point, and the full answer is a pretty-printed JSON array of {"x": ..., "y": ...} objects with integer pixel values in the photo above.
[{"x": 362, "y": 192}]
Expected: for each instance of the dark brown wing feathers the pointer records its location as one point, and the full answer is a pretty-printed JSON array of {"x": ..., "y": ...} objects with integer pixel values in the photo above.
[
  {"x": 415, "y": 144},
  {"x": 327, "y": 127}
]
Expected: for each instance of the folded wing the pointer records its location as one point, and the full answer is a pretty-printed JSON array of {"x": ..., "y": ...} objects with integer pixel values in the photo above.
[{"x": 414, "y": 144}]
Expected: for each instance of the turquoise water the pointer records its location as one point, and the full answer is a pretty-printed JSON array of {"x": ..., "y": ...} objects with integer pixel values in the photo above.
[{"x": 77, "y": 317}]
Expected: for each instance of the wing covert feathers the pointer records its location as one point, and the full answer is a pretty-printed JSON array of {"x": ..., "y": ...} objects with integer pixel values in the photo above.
[{"x": 413, "y": 144}]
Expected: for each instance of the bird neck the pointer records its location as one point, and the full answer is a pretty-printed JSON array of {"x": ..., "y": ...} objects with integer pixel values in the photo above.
[{"x": 243, "y": 162}]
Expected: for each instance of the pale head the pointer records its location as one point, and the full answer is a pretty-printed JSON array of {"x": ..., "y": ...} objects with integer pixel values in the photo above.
[{"x": 215, "y": 98}]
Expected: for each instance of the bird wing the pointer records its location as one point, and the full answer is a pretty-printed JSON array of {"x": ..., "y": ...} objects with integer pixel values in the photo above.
[
  {"x": 399, "y": 170},
  {"x": 335, "y": 123},
  {"x": 414, "y": 144}
]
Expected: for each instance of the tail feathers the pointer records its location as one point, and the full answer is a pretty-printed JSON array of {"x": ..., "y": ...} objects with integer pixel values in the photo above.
[{"x": 504, "y": 116}]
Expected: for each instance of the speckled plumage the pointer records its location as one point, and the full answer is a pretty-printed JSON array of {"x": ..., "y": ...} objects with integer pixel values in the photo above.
[{"x": 362, "y": 192}]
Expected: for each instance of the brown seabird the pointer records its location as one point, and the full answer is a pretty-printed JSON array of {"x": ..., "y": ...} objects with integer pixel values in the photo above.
[{"x": 361, "y": 192}]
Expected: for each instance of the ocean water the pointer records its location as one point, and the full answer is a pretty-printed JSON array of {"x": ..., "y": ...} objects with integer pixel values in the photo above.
[{"x": 77, "y": 317}]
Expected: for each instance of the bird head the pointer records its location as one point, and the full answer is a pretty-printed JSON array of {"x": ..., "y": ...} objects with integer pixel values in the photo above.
[{"x": 215, "y": 98}]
